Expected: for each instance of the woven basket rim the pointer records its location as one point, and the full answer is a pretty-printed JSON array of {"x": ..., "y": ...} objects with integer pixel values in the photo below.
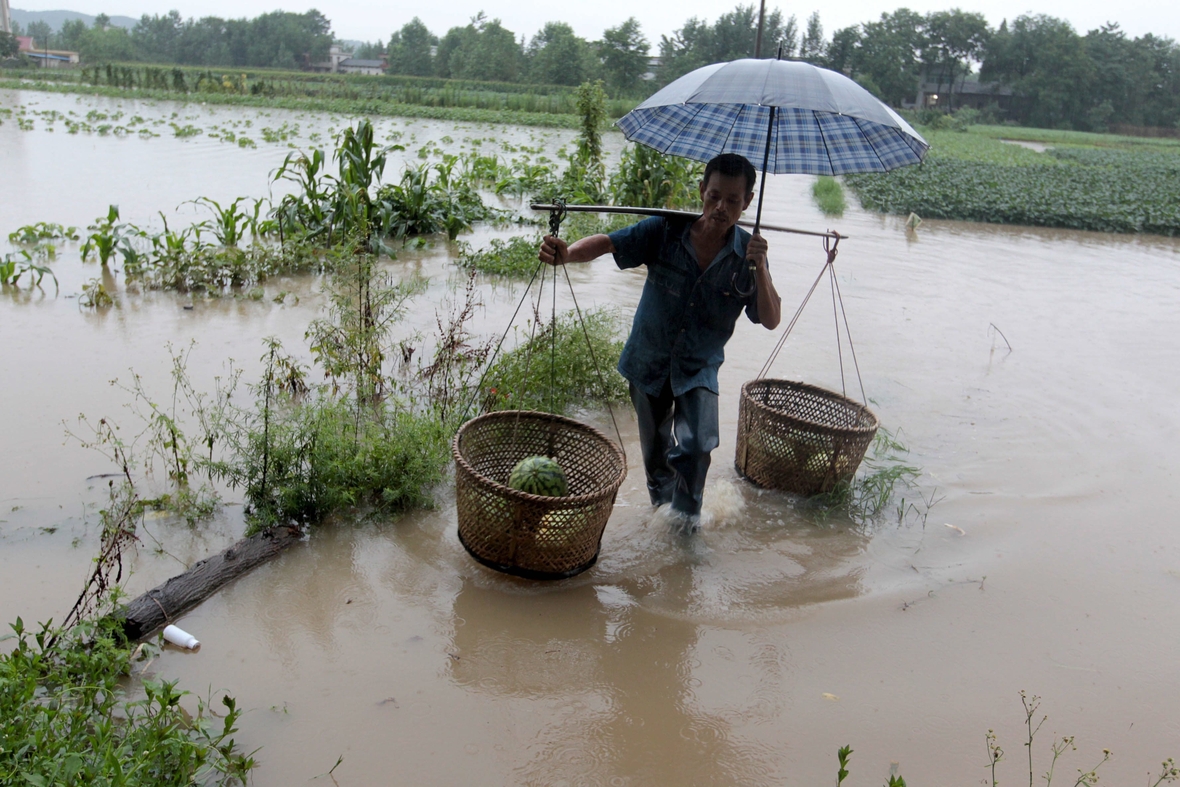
[
  {"x": 537, "y": 415},
  {"x": 819, "y": 391}
]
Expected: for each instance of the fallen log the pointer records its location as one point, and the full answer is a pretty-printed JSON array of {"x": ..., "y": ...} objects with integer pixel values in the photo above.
[{"x": 164, "y": 603}]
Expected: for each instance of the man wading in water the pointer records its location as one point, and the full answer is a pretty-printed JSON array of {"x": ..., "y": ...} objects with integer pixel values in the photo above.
[{"x": 685, "y": 316}]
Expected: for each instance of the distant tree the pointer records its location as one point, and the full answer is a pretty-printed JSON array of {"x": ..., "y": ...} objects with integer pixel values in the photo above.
[
  {"x": 205, "y": 42},
  {"x": 624, "y": 55},
  {"x": 954, "y": 39},
  {"x": 1045, "y": 62},
  {"x": 842, "y": 50},
  {"x": 106, "y": 45},
  {"x": 482, "y": 50},
  {"x": 409, "y": 49},
  {"x": 102, "y": 22},
  {"x": 71, "y": 34},
  {"x": 40, "y": 32},
  {"x": 556, "y": 56},
  {"x": 9, "y": 46},
  {"x": 811, "y": 47},
  {"x": 370, "y": 50},
  {"x": 280, "y": 39},
  {"x": 157, "y": 36},
  {"x": 1124, "y": 75},
  {"x": 1161, "y": 104},
  {"x": 886, "y": 55},
  {"x": 731, "y": 37}
]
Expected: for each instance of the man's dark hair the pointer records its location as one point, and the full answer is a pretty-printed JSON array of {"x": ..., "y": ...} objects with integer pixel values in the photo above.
[{"x": 731, "y": 165}]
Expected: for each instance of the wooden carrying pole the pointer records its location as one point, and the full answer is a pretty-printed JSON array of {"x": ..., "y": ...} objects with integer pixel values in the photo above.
[{"x": 676, "y": 214}]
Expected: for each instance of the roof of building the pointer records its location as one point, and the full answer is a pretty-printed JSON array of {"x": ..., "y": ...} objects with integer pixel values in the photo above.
[{"x": 49, "y": 56}]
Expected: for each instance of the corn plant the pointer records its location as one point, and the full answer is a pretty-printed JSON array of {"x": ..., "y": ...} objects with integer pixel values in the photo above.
[
  {"x": 229, "y": 224},
  {"x": 12, "y": 270},
  {"x": 649, "y": 179},
  {"x": 105, "y": 237},
  {"x": 42, "y": 231}
]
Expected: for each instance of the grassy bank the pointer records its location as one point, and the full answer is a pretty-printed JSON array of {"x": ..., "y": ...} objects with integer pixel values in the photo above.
[
  {"x": 341, "y": 106},
  {"x": 1085, "y": 181},
  {"x": 1058, "y": 137}
]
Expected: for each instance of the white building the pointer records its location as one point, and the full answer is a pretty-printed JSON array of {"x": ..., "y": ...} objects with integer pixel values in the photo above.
[{"x": 354, "y": 66}]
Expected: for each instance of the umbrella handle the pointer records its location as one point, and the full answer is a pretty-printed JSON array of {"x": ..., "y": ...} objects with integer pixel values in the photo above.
[{"x": 737, "y": 287}]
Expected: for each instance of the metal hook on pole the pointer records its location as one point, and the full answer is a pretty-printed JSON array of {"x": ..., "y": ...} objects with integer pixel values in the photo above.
[{"x": 557, "y": 213}]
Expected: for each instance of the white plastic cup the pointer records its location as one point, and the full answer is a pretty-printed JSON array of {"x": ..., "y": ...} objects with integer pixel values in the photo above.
[{"x": 181, "y": 638}]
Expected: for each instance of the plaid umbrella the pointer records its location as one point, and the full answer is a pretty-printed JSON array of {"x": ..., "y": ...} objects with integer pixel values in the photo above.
[
  {"x": 820, "y": 122},
  {"x": 798, "y": 117}
]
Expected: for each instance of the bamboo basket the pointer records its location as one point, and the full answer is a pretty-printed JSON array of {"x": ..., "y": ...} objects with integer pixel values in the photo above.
[
  {"x": 800, "y": 438},
  {"x": 531, "y": 535}
]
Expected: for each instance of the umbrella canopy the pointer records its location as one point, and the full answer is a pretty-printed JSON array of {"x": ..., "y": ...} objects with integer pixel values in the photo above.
[{"x": 824, "y": 123}]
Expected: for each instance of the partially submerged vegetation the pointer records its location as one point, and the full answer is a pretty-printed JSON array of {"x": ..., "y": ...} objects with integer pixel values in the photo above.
[
  {"x": 829, "y": 195},
  {"x": 1119, "y": 187},
  {"x": 396, "y": 96},
  {"x": 69, "y": 714},
  {"x": 68, "y": 717}
]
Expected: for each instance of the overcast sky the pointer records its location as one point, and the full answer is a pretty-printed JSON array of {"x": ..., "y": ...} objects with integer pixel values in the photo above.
[{"x": 369, "y": 20}]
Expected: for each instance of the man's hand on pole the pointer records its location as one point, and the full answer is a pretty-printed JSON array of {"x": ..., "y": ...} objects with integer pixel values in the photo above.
[{"x": 554, "y": 251}]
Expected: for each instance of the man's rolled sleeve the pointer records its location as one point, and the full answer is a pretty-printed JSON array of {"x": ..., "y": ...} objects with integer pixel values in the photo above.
[{"x": 638, "y": 244}]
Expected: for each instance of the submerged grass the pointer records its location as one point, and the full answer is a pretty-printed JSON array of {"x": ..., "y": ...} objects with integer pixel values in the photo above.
[
  {"x": 829, "y": 195},
  {"x": 515, "y": 257},
  {"x": 879, "y": 487},
  {"x": 555, "y": 370}
]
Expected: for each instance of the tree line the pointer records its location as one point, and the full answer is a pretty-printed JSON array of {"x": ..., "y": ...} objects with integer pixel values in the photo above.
[
  {"x": 274, "y": 40},
  {"x": 1056, "y": 76}
]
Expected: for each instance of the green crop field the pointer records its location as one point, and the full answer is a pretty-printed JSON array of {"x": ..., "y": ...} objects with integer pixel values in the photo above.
[
  {"x": 389, "y": 95},
  {"x": 1127, "y": 185}
]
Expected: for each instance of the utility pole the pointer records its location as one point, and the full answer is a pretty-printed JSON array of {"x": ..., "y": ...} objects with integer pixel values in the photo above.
[
  {"x": 757, "y": 39},
  {"x": 5, "y": 17}
]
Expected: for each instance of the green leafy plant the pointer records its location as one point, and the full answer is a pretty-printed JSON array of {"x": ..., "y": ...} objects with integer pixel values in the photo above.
[
  {"x": 229, "y": 224},
  {"x": 12, "y": 270},
  {"x": 649, "y": 179},
  {"x": 516, "y": 256},
  {"x": 95, "y": 296},
  {"x": 554, "y": 373},
  {"x": 68, "y": 718},
  {"x": 105, "y": 237},
  {"x": 42, "y": 231},
  {"x": 974, "y": 178},
  {"x": 829, "y": 195},
  {"x": 842, "y": 754}
]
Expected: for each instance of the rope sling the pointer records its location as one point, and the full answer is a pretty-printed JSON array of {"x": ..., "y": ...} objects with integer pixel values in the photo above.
[
  {"x": 536, "y": 536},
  {"x": 797, "y": 437}
]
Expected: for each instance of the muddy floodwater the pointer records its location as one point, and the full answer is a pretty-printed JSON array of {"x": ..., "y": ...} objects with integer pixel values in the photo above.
[{"x": 1033, "y": 374}]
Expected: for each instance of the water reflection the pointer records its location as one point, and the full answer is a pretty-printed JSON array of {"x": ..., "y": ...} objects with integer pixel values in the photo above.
[{"x": 654, "y": 675}]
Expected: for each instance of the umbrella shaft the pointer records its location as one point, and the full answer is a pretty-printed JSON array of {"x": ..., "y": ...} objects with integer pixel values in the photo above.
[
  {"x": 765, "y": 162},
  {"x": 676, "y": 214}
]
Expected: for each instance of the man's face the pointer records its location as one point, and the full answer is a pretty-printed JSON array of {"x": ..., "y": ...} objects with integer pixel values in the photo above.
[{"x": 723, "y": 198}]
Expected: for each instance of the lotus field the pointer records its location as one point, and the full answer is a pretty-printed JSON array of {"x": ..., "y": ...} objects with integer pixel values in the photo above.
[{"x": 1128, "y": 188}]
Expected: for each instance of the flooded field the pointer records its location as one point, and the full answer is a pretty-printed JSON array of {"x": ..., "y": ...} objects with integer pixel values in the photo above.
[{"x": 1049, "y": 560}]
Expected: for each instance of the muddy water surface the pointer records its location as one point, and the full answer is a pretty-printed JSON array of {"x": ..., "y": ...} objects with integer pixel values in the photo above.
[{"x": 745, "y": 655}]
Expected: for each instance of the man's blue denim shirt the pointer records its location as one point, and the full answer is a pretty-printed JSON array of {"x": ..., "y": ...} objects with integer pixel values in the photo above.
[{"x": 684, "y": 317}]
